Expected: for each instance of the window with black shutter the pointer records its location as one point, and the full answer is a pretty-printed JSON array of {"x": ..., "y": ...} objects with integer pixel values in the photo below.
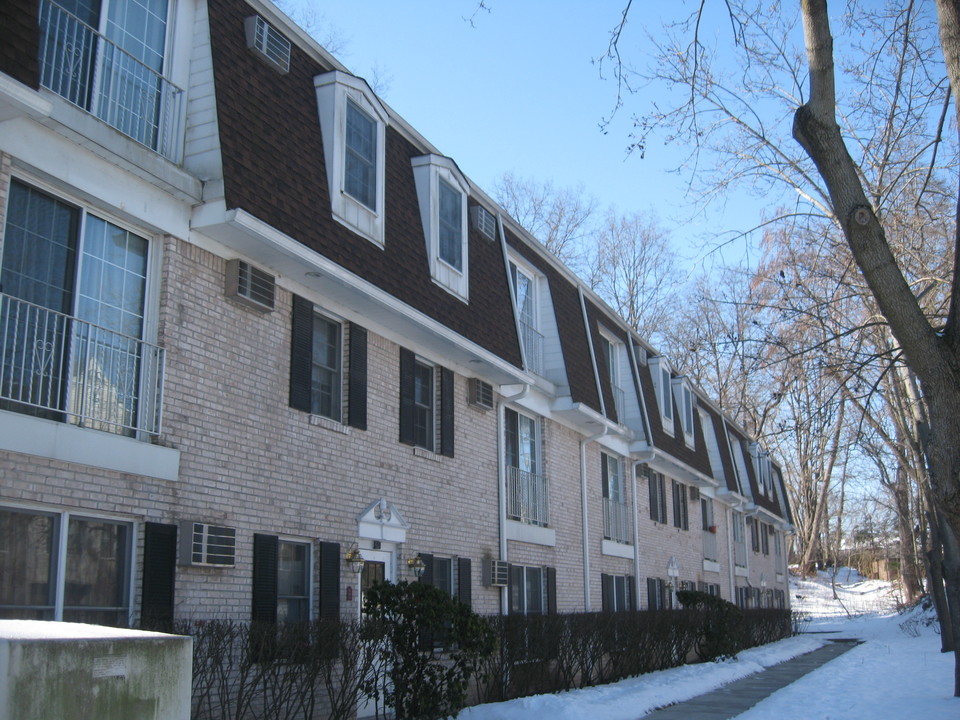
[
  {"x": 159, "y": 575},
  {"x": 426, "y": 415}
]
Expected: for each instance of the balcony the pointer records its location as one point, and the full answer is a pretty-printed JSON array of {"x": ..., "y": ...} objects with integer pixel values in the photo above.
[
  {"x": 95, "y": 74},
  {"x": 527, "y": 497},
  {"x": 710, "y": 545},
  {"x": 619, "y": 401},
  {"x": 61, "y": 368},
  {"x": 532, "y": 342},
  {"x": 616, "y": 521}
]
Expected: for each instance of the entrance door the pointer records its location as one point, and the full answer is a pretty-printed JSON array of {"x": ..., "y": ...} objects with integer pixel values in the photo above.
[{"x": 378, "y": 566}]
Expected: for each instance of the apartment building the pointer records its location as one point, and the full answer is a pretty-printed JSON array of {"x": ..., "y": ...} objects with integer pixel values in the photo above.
[{"x": 262, "y": 345}]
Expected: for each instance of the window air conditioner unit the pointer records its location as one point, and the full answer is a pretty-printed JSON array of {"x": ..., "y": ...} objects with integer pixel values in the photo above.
[
  {"x": 250, "y": 286},
  {"x": 268, "y": 44},
  {"x": 694, "y": 493},
  {"x": 496, "y": 573},
  {"x": 484, "y": 221},
  {"x": 481, "y": 394},
  {"x": 210, "y": 545}
]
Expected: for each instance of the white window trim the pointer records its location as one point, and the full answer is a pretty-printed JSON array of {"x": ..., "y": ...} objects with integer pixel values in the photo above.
[
  {"x": 686, "y": 406},
  {"x": 292, "y": 540},
  {"x": 341, "y": 370},
  {"x": 428, "y": 170},
  {"x": 333, "y": 90},
  {"x": 659, "y": 366}
]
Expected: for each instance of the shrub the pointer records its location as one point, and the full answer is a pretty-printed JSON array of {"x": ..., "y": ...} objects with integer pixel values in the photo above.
[
  {"x": 722, "y": 632},
  {"x": 424, "y": 681}
]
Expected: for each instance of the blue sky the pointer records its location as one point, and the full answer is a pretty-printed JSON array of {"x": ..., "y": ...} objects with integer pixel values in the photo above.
[{"x": 517, "y": 91}]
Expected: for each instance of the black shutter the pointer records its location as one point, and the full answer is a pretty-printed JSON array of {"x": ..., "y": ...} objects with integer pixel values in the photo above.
[
  {"x": 357, "y": 381},
  {"x": 446, "y": 412},
  {"x": 603, "y": 474},
  {"x": 551, "y": 591},
  {"x": 330, "y": 580},
  {"x": 464, "y": 581},
  {"x": 654, "y": 509},
  {"x": 159, "y": 575},
  {"x": 606, "y": 592},
  {"x": 631, "y": 592},
  {"x": 653, "y": 596},
  {"x": 265, "y": 548},
  {"x": 301, "y": 354},
  {"x": 427, "y": 576},
  {"x": 407, "y": 364}
]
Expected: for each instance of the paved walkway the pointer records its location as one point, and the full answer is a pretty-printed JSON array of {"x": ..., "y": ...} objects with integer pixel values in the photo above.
[{"x": 741, "y": 695}]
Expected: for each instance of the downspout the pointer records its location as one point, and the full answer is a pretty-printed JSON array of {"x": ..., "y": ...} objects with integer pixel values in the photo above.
[
  {"x": 585, "y": 516},
  {"x": 502, "y": 490}
]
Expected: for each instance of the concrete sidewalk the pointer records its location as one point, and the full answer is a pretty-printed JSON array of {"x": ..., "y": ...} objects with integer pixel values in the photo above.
[{"x": 741, "y": 695}]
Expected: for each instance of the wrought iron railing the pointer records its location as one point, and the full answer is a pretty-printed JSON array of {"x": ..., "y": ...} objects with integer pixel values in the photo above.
[
  {"x": 62, "y": 368},
  {"x": 527, "y": 497},
  {"x": 532, "y": 347},
  {"x": 710, "y": 545},
  {"x": 84, "y": 67},
  {"x": 616, "y": 521},
  {"x": 619, "y": 400}
]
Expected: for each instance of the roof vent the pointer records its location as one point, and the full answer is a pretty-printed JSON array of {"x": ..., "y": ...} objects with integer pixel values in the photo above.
[
  {"x": 250, "y": 286},
  {"x": 484, "y": 221},
  {"x": 268, "y": 44}
]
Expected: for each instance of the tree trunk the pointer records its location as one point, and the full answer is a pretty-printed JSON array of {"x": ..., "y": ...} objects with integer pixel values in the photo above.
[{"x": 909, "y": 575}]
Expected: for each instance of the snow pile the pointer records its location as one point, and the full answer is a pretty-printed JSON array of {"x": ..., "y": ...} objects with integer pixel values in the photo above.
[{"x": 897, "y": 672}]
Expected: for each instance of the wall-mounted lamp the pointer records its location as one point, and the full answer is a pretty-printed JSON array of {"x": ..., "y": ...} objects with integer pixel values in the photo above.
[
  {"x": 416, "y": 564},
  {"x": 354, "y": 559}
]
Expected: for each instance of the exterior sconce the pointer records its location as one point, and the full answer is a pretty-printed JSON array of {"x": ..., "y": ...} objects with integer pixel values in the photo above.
[
  {"x": 416, "y": 564},
  {"x": 354, "y": 559}
]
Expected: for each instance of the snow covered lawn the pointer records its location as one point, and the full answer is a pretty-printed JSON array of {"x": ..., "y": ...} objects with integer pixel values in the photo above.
[{"x": 898, "y": 672}]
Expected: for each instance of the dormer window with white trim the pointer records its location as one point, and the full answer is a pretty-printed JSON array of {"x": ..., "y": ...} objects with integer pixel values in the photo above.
[
  {"x": 442, "y": 194},
  {"x": 611, "y": 349},
  {"x": 353, "y": 123},
  {"x": 660, "y": 371},
  {"x": 685, "y": 402}
]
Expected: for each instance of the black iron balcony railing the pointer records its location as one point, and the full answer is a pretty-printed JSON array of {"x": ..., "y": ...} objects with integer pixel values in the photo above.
[
  {"x": 84, "y": 67},
  {"x": 527, "y": 497},
  {"x": 62, "y": 368}
]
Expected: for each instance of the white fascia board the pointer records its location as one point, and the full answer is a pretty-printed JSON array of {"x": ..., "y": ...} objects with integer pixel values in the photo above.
[
  {"x": 18, "y": 100},
  {"x": 372, "y": 306},
  {"x": 669, "y": 465}
]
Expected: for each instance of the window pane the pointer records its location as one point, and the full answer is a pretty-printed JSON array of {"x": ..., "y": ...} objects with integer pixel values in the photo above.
[
  {"x": 423, "y": 394},
  {"x": 534, "y": 590},
  {"x": 451, "y": 227},
  {"x": 26, "y": 565},
  {"x": 360, "y": 173},
  {"x": 326, "y": 368},
  {"x": 97, "y": 579},
  {"x": 293, "y": 582},
  {"x": 443, "y": 574}
]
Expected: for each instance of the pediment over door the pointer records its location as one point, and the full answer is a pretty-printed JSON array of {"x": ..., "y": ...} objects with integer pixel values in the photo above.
[{"x": 381, "y": 520}]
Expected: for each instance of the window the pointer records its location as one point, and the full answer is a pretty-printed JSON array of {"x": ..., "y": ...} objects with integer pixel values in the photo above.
[
  {"x": 681, "y": 518},
  {"x": 74, "y": 299},
  {"x": 453, "y": 576},
  {"x": 739, "y": 540},
  {"x": 658, "y": 596},
  {"x": 293, "y": 581},
  {"x": 107, "y": 57},
  {"x": 611, "y": 354},
  {"x": 754, "y": 534},
  {"x": 777, "y": 543},
  {"x": 658, "y": 496},
  {"x": 426, "y": 404},
  {"x": 685, "y": 402},
  {"x": 616, "y": 513},
  {"x": 353, "y": 123},
  {"x": 281, "y": 588},
  {"x": 360, "y": 165},
  {"x": 317, "y": 356},
  {"x": 660, "y": 371},
  {"x": 94, "y": 560},
  {"x": 532, "y": 590},
  {"x": 527, "y": 499},
  {"x": 525, "y": 299},
  {"x": 617, "y": 592},
  {"x": 442, "y": 196}
]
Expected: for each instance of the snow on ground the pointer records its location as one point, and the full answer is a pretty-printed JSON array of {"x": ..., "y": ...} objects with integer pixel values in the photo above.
[{"x": 898, "y": 671}]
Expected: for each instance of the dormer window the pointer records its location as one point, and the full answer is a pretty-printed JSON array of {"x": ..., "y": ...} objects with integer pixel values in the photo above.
[
  {"x": 442, "y": 194},
  {"x": 685, "y": 402},
  {"x": 353, "y": 123},
  {"x": 611, "y": 354},
  {"x": 660, "y": 371}
]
